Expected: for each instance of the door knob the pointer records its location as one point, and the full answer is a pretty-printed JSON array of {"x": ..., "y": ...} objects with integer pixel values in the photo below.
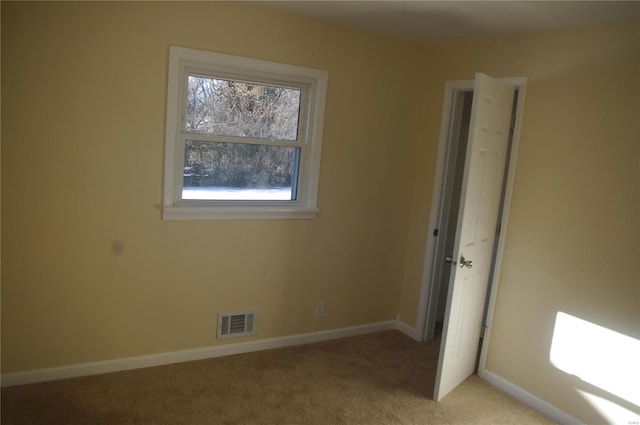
[
  {"x": 465, "y": 263},
  {"x": 449, "y": 259}
]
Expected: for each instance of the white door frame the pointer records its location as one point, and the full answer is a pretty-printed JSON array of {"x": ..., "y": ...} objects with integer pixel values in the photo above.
[{"x": 427, "y": 302}]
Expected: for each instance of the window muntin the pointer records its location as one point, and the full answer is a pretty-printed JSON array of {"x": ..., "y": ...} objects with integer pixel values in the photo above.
[{"x": 270, "y": 162}]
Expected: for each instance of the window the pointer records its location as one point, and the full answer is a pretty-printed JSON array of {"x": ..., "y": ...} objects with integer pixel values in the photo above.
[{"x": 243, "y": 137}]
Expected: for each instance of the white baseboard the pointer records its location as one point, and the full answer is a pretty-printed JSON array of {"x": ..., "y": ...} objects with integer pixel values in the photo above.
[
  {"x": 407, "y": 330},
  {"x": 529, "y": 399},
  {"x": 95, "y": 368}
]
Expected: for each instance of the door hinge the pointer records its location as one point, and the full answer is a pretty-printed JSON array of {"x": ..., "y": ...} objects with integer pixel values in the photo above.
[
  {"x": 435, "y": 232},
  {"x": 513, "y": 121},
  {"x": 498, "y": 229},
  {"x": 482, "y": 330}
]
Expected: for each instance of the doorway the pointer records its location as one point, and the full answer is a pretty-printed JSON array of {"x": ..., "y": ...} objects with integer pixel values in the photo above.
[
  {"x": 457, "y": 114},
  {"x": 451, "y": 189}
]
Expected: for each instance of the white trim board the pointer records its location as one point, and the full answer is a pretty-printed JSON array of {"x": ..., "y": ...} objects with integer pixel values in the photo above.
[
  {"x": 529, "y": 399},
  {"x": 408, "y": 330},
  {"x": 117, "y": 365}
]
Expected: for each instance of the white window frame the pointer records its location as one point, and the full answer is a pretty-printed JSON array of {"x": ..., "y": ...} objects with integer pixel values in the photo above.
[{"x": 312, "y": 82}]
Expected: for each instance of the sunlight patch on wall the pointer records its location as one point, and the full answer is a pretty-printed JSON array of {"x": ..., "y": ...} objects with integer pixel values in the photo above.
[
  {"x": 612, "y": 412},
  {"x": 603, "y": 358}
]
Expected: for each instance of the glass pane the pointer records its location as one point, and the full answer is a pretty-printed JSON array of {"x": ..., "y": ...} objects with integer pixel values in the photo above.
[
  {"x": 236, "y": 171},
  {"x": 231, "y": 108}
]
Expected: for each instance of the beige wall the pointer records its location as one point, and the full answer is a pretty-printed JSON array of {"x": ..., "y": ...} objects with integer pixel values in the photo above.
[
  {"x": 91, "y": 272},
  {"x": 572, "y": 242}
]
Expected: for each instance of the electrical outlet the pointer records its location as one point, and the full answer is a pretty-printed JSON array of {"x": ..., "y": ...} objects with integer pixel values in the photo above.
[{"x": 320, "y": 307}]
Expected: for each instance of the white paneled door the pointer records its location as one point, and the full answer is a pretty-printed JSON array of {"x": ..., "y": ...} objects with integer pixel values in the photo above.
[{"x": 476, "y": 231}]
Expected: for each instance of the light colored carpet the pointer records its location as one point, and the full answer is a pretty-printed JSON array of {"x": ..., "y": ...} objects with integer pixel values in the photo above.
[{"x": 378, "y": 379}]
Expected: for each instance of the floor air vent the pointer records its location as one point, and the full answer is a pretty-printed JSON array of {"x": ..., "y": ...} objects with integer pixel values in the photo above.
[{"x": 236, "y": 324}]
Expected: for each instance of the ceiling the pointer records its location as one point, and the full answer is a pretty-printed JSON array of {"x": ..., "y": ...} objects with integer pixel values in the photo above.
[{"x": 424, "y": 21}]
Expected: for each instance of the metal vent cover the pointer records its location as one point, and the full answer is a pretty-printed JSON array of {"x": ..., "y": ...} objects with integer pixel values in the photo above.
[{"x": 240, "y": 323}]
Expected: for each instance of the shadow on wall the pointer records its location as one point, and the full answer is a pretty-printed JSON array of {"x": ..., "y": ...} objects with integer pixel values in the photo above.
[{"x": 604, "y": 366}]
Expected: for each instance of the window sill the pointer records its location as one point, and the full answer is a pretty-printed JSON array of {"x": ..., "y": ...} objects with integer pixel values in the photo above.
[{"x": 238, "y": 213}]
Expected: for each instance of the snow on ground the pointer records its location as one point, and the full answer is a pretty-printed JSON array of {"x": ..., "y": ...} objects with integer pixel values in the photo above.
[{"x": 236, "y": 194}]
